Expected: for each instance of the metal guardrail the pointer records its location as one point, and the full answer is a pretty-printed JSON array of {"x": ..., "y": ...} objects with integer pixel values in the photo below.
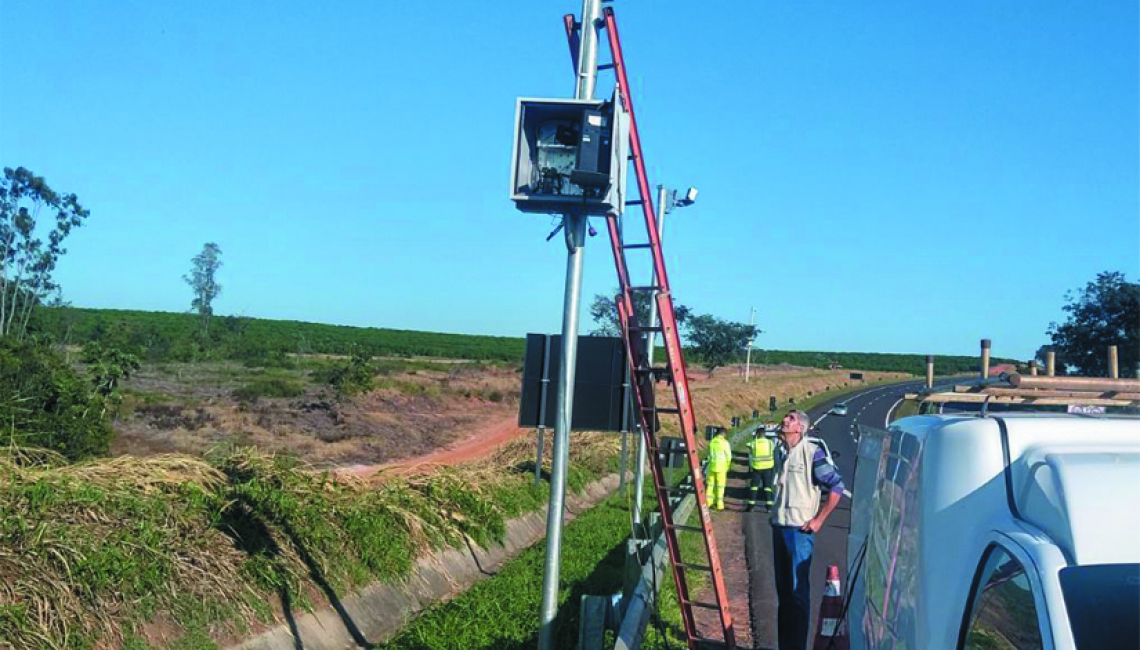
[{"x": 640, "y": 604}]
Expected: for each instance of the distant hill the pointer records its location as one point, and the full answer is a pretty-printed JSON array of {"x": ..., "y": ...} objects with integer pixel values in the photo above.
[{"x": 171, "y": 336}]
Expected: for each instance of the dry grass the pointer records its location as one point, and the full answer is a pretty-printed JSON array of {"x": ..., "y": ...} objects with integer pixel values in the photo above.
[
  {"x": 92, "y": 554},
  {"x": 417, "y": 406}
]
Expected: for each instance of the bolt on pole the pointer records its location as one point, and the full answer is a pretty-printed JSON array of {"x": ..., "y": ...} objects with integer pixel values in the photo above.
[{"x": 575, "y": 228}]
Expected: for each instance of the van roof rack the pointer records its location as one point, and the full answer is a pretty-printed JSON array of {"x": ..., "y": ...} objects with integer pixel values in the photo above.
[{"x": 1032, "y": 389}]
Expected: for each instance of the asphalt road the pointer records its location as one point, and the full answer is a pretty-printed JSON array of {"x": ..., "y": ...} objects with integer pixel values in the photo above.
[{"x": 870, "y": 407}]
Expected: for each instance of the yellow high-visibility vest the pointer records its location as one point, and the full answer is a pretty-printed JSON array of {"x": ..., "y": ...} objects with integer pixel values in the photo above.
[
  {"x": 761, "y": 453},
  {"x": 720, "y": 454}
]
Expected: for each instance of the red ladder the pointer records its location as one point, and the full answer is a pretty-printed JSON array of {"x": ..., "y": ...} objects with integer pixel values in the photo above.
[{"x": 673, "y": 372}]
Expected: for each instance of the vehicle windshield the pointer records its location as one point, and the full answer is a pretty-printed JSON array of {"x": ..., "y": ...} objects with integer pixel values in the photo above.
[{"x": 1102, "y": 601}]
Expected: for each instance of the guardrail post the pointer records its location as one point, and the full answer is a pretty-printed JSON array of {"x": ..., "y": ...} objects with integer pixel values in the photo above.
[
  {"x": 1113, "y": 365},
  {"x": 1051, "y": 363}
]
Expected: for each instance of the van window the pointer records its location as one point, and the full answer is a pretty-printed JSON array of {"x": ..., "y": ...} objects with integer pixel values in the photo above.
[
  {"x": 1102, "y": 601},
  {"x": 1003, "y": 615}
]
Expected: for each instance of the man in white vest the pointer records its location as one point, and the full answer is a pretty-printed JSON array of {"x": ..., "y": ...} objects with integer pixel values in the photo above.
[{"x": 804, "y": 473}]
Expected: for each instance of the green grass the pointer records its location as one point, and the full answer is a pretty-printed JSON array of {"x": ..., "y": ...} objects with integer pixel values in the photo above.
[
  {"x": 269, "y": 387},
  {"x": 502, "y": 612},
  {"x": 98, "y": 549}
]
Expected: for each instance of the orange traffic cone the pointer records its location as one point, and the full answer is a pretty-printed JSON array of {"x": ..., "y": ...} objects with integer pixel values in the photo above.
[{"x": 831, "y": 633}]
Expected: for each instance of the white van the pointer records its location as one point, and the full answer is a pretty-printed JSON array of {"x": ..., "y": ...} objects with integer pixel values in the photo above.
[{"x": 998, "y": 531}]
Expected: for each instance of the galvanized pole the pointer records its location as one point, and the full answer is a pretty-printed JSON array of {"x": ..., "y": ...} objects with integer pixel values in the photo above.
[
  {"x": 575, "y": 227},
  {"x": 651, "y": 342},
  {"x": 748, "y": 359}
]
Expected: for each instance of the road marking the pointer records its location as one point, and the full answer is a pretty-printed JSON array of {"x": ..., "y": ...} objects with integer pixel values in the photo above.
[{"x": 887, "y": 422}]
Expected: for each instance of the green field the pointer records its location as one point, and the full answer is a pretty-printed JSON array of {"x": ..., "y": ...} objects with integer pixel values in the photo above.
[{"x": 169, "y": 336}]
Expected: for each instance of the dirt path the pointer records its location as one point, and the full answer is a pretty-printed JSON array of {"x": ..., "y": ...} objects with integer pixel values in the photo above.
[
  {"x": 479, "y": 442},
  {"x": 730, "y": 545}
]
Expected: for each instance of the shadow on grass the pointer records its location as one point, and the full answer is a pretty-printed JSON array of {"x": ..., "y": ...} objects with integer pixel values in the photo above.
[
  {"x": 251, "y": 535},
  {"x": 527, "y": 467}
]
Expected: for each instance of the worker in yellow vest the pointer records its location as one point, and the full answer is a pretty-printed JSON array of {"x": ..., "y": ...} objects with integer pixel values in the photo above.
[
  {"x": 720, "y": 459},
  {"x": 762, "y": 464}
]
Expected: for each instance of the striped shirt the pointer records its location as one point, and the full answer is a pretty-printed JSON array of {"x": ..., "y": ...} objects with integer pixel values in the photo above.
[{"x": 824, "y": 473}]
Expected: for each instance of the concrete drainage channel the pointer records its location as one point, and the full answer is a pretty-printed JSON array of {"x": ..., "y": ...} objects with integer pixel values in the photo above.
[
  {"x": 377, "y": 612},
  {"x": 628, "y": 612}
]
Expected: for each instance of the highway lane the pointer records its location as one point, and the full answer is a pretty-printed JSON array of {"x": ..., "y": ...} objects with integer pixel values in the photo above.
[{"x": 870, "y": 407}]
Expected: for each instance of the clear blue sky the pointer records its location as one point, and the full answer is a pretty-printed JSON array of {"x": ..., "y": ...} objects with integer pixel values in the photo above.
[{"x": 874, "y": 176}]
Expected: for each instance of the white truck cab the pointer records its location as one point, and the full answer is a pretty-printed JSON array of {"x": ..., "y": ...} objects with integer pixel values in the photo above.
[{"x": 998, "y": 531}]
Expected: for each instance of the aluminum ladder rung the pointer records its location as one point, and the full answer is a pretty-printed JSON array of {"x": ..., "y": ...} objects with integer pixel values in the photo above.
[
  {"x": 661, "y": 409},
  {"x": 648, "y": 287},
  {"x": 629, "y": 246},
  {"x": 646, "y": 328}
]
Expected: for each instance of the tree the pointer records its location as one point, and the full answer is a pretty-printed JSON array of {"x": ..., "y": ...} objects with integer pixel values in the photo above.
[
  {"x": 603, "y": 311},
  {"x": 1106, "y": 312},
  {"x": 717, "y": 342},
  {"x": 26, "y": 263},
  {"x": 106, "y": 367},
  {"x": 203, "y": 269}
]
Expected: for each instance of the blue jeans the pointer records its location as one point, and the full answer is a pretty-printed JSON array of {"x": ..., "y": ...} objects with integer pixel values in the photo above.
[{"x": 791, "y": 554}]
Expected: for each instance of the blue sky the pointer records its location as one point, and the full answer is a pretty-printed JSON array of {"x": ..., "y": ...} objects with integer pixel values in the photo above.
[{"x": 874, "y": 176}]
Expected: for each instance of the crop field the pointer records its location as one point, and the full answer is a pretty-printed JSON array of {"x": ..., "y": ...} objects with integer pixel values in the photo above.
[{"x": 169, "y": 336}]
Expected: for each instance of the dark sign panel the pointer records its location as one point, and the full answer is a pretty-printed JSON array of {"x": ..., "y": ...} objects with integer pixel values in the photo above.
[{"x": 601, "y": 390}]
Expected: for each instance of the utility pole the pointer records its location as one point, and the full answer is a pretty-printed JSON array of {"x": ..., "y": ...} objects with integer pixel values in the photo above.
[
  {"x": 748, "y": 357},
  {"x": 575, "y": 230}
]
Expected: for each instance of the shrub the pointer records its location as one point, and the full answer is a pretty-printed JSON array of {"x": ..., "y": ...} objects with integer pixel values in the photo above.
[
  {"x": 268, "y": 387},
  {"x": 44, "y": 403},
  {"x": 352, "y": 377}
]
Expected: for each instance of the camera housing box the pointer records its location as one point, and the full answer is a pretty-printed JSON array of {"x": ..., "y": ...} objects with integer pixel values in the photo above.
[{"x": 570, "y": 155}]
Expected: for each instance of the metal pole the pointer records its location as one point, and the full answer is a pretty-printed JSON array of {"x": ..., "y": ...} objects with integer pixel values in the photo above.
[
  {"x": 985, "y": 358},
  {"x": 575, "y": 227},
  {"x": 651, "y": 342},
  {"x": 538, "y": 461},
  {"x": 1050, "y": 363},
  {"x": 748, "y": 359},
  {"x": 930, "y": 371},
  {"x": 1113, "y": 366},
  {"x": 542, "y": 394}
]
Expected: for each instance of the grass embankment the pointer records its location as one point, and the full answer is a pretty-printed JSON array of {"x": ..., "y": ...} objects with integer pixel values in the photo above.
[
  {"x": 905, "y": 409},
  {"x": 172, "y": 551}
]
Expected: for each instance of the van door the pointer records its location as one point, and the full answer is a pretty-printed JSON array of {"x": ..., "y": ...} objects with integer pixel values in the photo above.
[{"x": 1005, "y": 608}]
